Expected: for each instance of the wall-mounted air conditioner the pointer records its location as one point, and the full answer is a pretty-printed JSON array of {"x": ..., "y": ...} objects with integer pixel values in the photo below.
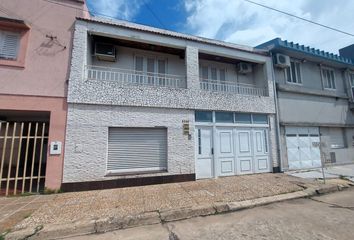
[
  {"x": 105, "y": 52},
  {"x": 244, "y": 68},
  {"x": 282, "y": 60}
]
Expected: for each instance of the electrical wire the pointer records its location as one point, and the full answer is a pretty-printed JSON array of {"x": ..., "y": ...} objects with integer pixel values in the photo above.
[
  {"x": 301, "y": 18},
  {"x": 155, "y": 16},
  {"x": 109, "y": 16},
  {"x": 249, "y": 1}
]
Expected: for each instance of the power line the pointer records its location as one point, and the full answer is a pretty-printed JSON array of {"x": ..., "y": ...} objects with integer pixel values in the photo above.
[
  {"x": 105, "y": 15},
  {"x": 249, "y": 1},
  {"x": 301, "y": 18},
  {"x": 80, "y": 9},
  {"x": 155, "y": 16}
]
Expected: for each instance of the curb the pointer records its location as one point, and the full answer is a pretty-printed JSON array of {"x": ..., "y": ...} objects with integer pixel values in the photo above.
[{"x": 58, "y": 231}]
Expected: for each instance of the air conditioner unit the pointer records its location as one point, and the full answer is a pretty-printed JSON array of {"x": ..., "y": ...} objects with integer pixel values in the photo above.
[
  {"x": 105, "y": 52},
  {"x": 244, "y": 68},
  {"x": 282, "y": 60}
]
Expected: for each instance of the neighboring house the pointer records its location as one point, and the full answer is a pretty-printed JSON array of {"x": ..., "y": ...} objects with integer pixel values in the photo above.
[
  {"x": 147, "y": 105},
  {"x": 315, "y": 104},
  {"x": 35, "y": 50}
]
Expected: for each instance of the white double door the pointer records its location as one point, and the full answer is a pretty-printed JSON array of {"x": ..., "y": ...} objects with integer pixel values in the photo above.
[
  {"x": 226, "y": 151},
  {"x": 303, "y": 147}
]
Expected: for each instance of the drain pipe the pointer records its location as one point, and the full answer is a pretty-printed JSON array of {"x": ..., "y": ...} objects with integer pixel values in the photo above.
[{"x": 279, "y": 149}]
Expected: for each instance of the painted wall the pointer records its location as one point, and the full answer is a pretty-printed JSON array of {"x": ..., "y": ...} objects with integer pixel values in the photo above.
[
  {"x": 41, "y": 83},
  {"x": 87, "y": 136},
  {"x": 343, "y": 155},
  {"x": 57, "y": 108},
  {"x": 43, "y": 56},
  {"x": 313, "y": 110},
  {"x": 311, "y": 78}
]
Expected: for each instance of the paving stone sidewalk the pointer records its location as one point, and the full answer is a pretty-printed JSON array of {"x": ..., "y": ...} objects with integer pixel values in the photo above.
[
  {"x": 14, "y": 209},
  {"x": 68, "y": 208}
]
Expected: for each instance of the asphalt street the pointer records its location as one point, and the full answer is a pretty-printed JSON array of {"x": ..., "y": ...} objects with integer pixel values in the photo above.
[{"x": 325, "y": 217}]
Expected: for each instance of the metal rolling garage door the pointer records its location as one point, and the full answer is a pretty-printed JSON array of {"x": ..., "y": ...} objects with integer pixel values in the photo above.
[{"x": 137, "y": 149}]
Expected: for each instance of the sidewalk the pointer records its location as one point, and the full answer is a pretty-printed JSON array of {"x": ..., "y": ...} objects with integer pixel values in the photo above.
[
  {"x": 331, "y": 172},
  {"x": 105, "y": 210}
]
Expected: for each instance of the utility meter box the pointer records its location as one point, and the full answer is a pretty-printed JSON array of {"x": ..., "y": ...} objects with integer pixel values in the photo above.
[{"x": 55, "y": 148}]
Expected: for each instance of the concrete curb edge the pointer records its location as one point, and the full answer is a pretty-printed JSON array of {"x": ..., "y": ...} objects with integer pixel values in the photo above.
[{"x": 57, "y": 231}]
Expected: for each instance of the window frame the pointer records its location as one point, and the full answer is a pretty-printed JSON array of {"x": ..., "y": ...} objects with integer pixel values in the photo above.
[
  {"x": 298, "y": 74},
  {"x": 210, "y": 67},
  {"x": 251, "y": 123},
  {"x": 351, "y": 82},
  {"x": 156, "y": 59},
  {"x": 3, "y": 35},
  {"x": 323, "y": 68},
  {"x": 24, "y": 31}
]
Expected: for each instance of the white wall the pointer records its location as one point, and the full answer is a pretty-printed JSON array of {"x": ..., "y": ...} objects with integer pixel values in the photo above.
[
  {"x": 316, "y": 110},
  {"x": 87, "y": 138}
]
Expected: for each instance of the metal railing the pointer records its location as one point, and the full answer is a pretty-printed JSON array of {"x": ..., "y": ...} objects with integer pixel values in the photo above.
[
  {"x": 132, "y": 77},
  {"x": 232, "y": 87},
  {"x": 23, "y": 149}
]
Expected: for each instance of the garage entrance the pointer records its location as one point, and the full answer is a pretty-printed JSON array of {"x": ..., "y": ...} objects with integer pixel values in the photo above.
[
  {"x": 231, "y": 151},
  {"x": 231, "y": 144},
  {"x": 302, "y": 148},
  {"x": 23, "y": 152}
]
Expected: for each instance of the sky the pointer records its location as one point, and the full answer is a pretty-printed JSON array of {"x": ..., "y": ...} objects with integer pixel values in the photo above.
[{"x": 241, "y": 22}]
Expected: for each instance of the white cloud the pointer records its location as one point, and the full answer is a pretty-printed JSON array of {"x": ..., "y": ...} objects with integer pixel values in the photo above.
[
  {"x": 116, "y": 8},
  {"x": 244, "y": 23}
]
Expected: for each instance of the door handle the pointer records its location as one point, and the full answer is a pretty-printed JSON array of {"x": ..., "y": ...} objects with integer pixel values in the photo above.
[{"x": 212, "y": 151}]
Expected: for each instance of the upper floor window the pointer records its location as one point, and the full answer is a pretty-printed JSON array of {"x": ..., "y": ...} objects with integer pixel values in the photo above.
[
  {"x": 351, "y": 78},
  {"x": 293, "y": 73},
  {"x": 9, "y": 45},
  {"x": 328, "y": 78},
  {"x": 150, "y": 65},
  {"x": 213, "y": 73}
]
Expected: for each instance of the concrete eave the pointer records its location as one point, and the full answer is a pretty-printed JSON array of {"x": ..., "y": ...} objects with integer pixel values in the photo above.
[{"x": 148, "y": 29}]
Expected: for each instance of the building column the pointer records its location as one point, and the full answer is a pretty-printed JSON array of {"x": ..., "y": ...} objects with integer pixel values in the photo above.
[{"x": 192, "y": 67}]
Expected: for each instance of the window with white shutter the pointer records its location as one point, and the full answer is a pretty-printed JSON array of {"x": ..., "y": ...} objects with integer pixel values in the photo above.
[{"x": 9, "y": 45}]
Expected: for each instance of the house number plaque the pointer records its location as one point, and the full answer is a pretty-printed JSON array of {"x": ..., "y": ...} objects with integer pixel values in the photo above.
[{"x": 185, "y": 124}]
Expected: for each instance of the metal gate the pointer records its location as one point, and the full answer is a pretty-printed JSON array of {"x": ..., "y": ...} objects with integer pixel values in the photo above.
[{"x": 23, "y": 148}]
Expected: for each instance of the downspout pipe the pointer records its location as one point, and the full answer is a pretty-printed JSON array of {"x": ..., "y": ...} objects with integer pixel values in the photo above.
[{"x": 279, "y": 148}]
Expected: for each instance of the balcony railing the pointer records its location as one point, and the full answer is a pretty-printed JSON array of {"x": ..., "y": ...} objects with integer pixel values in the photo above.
[
  {"x": 131, "y": 77},
  {"x": 231, "y": 87}
]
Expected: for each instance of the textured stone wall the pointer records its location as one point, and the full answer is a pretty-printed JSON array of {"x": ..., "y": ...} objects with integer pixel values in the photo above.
[
  {"x": 273, "y": 141},
  {"x": 96, "y": 105},
  {"x": 87, "y": 138},
  {"x": 192, "y": 65},
  {"x": 112, "y": 93}
]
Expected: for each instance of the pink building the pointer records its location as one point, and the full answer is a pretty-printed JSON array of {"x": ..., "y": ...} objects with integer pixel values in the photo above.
[{"x": 35, "y": 49}]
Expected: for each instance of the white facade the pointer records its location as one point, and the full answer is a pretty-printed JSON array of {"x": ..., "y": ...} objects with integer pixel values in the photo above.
[{"x": 156, "y": 83}]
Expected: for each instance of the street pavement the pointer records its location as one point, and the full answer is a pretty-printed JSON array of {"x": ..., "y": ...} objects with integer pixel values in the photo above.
[
  {"x": 324, "y": 217},
  {"x": 331, "y": 172},
  {"x": 69, "y": 208}
]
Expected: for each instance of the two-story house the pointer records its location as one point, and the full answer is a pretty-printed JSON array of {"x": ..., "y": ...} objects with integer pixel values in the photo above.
[
  {"x": 35, "y": 50},
  {"x": 314, "y": 95},
  {"x": 148, "y": 106}
]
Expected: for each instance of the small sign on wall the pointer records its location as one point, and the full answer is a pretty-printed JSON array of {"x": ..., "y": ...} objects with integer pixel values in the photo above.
[
  {"x": 186, "y": 130},
  {"x": 55, "y": 148}
]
